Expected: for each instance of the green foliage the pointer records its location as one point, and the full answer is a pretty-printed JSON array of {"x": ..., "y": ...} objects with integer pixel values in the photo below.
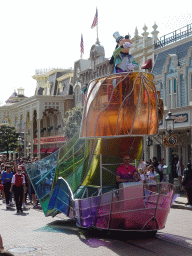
[
  {"x": 8, "y": 138},
  {"x": 73, "y": 122}
]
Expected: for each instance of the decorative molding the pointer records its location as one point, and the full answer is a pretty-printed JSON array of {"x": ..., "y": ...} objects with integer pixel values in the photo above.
[
  {"x": 64, "y": 77},
  {"x": 169, "y": 57}
]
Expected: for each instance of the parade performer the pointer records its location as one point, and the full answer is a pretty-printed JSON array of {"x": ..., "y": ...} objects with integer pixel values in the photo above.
[
  {"x": 123, "y": 61},
  {"x": 126, "y": 172},
  {"x": 18, "y": 185}
]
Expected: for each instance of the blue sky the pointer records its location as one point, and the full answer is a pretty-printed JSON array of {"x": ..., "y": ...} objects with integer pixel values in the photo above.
[{"x": 46, "y": 34}]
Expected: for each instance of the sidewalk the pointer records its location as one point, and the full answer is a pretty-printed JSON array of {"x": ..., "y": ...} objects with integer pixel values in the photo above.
[{"x": 181, "y": 200}]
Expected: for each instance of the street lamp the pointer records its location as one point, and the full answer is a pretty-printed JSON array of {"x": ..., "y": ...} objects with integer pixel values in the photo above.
[
  {"x": 169, "y": 123},
  {"x": 20, "y": 142},
  {"x": 149, "y": 141},
  {"x": 169, "y": 128},
  {"x": 29, "y": 147}
]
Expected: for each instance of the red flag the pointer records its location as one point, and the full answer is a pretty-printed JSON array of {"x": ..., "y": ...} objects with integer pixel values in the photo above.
[
  {"x": 82, "y": 45},
  {"x": 95, "y": 21}
]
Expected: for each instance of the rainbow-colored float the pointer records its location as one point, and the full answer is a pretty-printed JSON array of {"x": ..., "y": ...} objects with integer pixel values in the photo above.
[{"x": 79, "y": 179}]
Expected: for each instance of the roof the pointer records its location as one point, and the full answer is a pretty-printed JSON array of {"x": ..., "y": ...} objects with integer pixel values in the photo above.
[
  {"x": 180, "y": 51},
  {"x": 13, "y": 95}
]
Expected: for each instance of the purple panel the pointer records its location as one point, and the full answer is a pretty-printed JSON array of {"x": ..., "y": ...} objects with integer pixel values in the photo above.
[
  {"x": 102, "y": 222},
  {"x": 88, "y": 209}
]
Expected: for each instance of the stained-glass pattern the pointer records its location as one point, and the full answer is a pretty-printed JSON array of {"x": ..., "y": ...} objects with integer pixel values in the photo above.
[{"x": 79, "y": 179}]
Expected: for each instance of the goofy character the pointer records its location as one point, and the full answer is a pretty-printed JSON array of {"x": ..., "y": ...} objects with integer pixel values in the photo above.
[{"x": 122, "y": 60}]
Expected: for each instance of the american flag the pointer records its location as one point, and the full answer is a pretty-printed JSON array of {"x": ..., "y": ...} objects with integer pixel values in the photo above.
[
  {"x": 11, "y": 97},
  {"x": 95, "y": 21},
  {"x": 82, "y": 45}
]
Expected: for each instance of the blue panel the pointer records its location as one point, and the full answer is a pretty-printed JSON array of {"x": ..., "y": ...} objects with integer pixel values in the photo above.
[
  {"x": 61, "y": 197},
  {"x": 42, "y": 174}
]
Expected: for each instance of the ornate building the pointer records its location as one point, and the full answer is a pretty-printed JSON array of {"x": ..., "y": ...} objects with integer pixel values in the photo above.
[
  {"x": 86, "y": 70},
  {"x": 143, "y": 46},
  {"x": 39, "y": 119},
  {"x": 173, "y": 77}
]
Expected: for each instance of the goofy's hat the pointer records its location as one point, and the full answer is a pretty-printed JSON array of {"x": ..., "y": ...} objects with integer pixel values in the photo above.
[{"x": 117, "y": 36}]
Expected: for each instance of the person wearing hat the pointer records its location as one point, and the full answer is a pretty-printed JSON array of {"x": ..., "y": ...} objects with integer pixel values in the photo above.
[
  {"x": 18, "y": 186},
  {"x": 122, "y": 60}
]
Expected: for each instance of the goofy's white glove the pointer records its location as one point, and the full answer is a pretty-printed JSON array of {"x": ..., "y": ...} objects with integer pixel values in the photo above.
[
  {"x": 130, "y": 66},
  {"x": 127, "y": 45}
]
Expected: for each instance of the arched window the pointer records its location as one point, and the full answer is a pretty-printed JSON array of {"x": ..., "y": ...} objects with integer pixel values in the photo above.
[
  {"x": 169, "y": 82},
  {"x": 174, "y": 85}
]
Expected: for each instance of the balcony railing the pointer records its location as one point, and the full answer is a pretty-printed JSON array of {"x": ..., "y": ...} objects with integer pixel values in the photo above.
[{"x": 174, "y": 36}]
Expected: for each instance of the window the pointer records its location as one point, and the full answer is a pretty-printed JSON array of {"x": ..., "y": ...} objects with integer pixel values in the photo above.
[
  {"x": 170, "y": 86},
  {"x": 174, "y": 85},
  {"x": 78, "y": 94}
]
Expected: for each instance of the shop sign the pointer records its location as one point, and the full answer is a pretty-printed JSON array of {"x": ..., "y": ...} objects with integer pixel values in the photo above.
[
  {"x": 50, "y": 140},
  {"x": 181, "y": 118}
]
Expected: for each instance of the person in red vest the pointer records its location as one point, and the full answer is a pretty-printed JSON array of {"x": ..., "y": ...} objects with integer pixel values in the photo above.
[{"x": 18, "y": 186}]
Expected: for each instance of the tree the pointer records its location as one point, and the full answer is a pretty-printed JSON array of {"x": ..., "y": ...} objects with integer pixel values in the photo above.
[
  {"x": 8, "y": 138},
  {"x": 73, "y": 122}
]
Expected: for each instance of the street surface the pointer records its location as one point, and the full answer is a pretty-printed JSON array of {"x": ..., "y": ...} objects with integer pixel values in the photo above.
[{"x": 31, "y": 233}]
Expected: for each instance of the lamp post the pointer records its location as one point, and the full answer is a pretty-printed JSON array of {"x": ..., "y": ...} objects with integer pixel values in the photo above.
[
  {"x": 20, "y": 145},
  {"x": 149, "y": 141},
  {"x": 169, "y": 123},
  {"x": 20, "y": 142},
  {"x": 29, "y": 147},
  {"x": 170, "y": 128}
]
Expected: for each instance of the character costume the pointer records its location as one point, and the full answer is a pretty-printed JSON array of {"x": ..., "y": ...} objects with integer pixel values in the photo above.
[{"x": 122, "y": 60}]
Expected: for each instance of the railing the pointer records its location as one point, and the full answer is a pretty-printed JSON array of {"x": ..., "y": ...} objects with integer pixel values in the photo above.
[
  {"x": 106, "y": 210},
  {"x": 174, "y": 36}
]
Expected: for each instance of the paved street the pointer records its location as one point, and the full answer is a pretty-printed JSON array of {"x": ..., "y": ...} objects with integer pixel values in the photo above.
[{"x": 34, "y": 234}]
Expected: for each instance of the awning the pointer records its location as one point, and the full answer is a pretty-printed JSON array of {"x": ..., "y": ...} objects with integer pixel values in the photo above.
[
  {"x": 44, "y": 150},
  {"x": 10, "y": 152},
  {"x": 52, "y": 150}
]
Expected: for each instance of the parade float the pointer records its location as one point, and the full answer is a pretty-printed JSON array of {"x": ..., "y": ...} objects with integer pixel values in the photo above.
[{"x": 79, "y": 180}]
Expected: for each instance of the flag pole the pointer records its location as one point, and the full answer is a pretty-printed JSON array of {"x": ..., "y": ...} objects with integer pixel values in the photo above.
[
  {"x": 97, "y": 27},
  {"x": 81, "y": 47}
]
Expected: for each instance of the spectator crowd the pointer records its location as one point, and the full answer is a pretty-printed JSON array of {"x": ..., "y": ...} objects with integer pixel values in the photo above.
[
  {"x": 15, "y": 186},
  {"x": 151, "y": 172}
]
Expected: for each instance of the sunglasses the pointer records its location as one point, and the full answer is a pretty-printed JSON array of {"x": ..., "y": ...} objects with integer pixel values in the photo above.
[{"x": 126, "y": 159}]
